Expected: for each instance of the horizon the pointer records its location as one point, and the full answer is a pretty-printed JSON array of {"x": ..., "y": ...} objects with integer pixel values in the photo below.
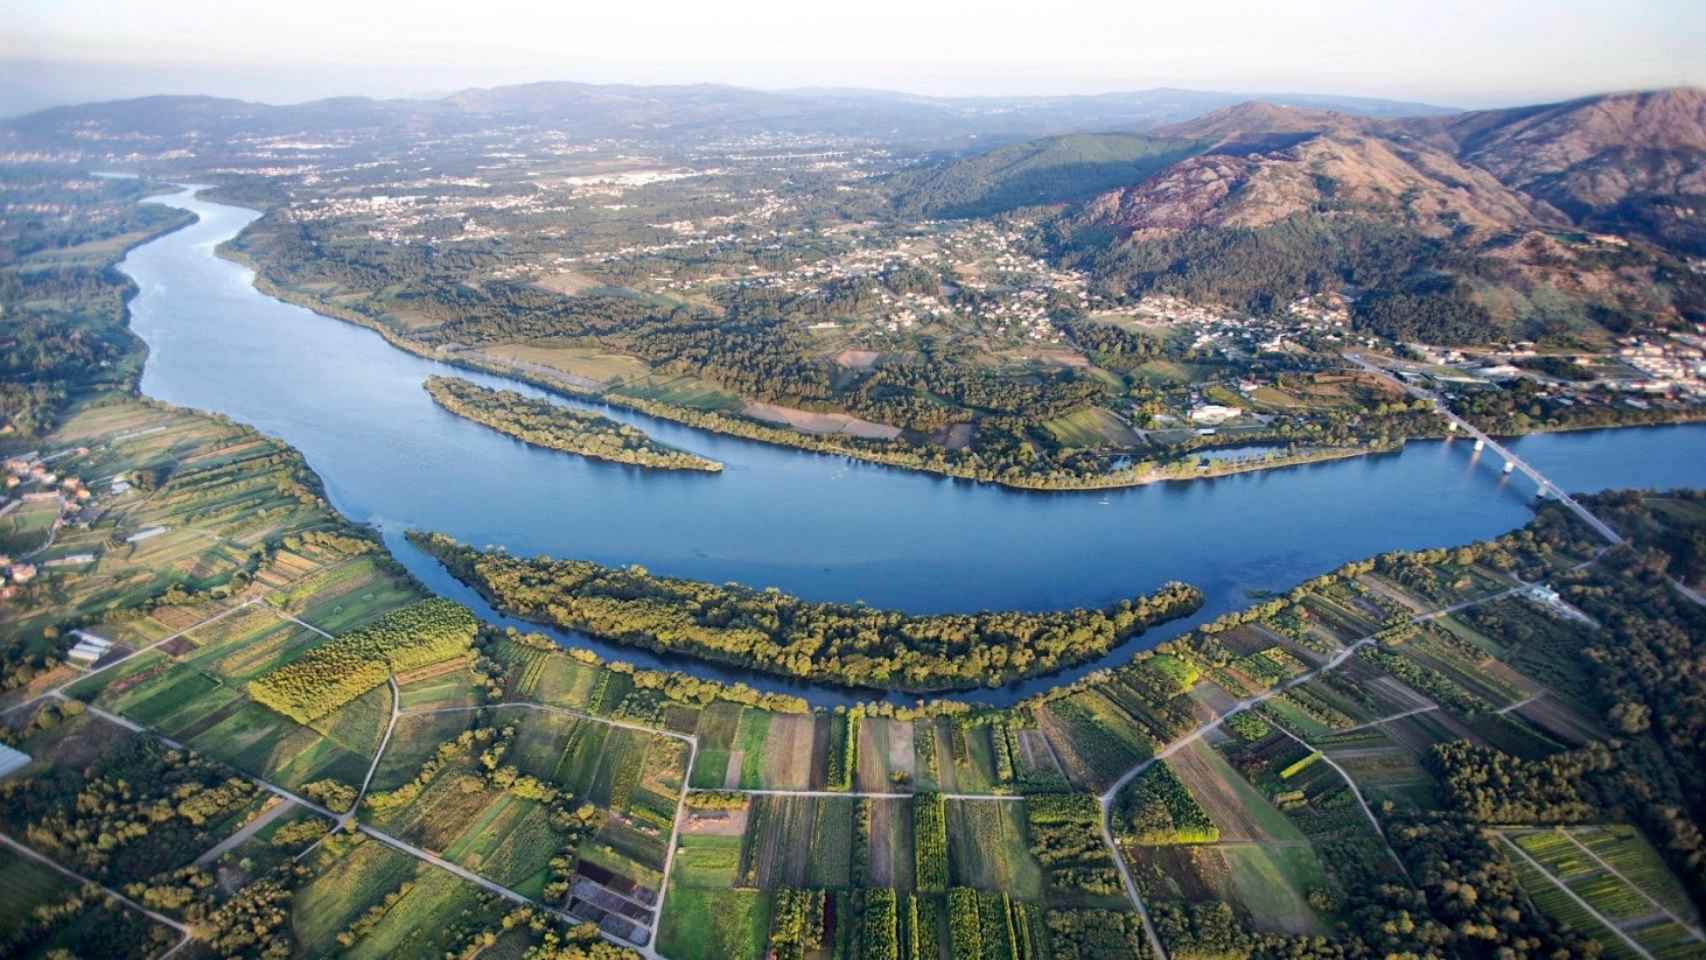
[{"x": 1454, "y": 55}]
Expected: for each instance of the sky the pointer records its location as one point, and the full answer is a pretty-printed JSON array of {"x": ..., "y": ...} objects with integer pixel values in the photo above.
[{"x": 1447, "y": 52}]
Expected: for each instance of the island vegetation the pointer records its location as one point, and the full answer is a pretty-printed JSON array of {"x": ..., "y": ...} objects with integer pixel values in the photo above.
[
  {"x": 555, "y": 426},
  {"x": 766, "y": 629}
]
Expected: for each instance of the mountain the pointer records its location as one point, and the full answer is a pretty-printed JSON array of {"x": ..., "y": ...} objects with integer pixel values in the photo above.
[
  {"x": 1052, "y": 170},
  {"x": 1454, "y": 228},
  {"x": 1262, "y": 163},
  {"x": 1622, "y": 162},
  {"x": 659, "y": 113}
]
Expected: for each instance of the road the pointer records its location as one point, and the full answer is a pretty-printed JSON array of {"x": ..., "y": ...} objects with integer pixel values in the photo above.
[
  {"x": 249, "y": 829},
  {"x": 1547, "y": 487},
  {"x": 1355, "y": 792},
  {"x": 856, "y": 794}
]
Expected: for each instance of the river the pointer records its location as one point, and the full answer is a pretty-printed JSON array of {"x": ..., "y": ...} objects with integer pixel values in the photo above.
[{"x": 819, "y": 526}]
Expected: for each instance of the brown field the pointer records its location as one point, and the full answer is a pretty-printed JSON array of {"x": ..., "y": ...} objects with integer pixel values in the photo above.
[
  {"x": 807, "y": 421},
  {"x": 567, "y": 282},
  {"x": 885, "y": 748},
  {"x": 1037, "y": 754},
  {"x": 857, "y": 359},
  {"x": 1209, "y": 779},
  {"x": 715, "y": 823},
  {"x": 788, "y": 752},
  {"x": 891, "y": 853}
]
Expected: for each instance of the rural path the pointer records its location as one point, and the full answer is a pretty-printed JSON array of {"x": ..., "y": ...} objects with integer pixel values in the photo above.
[
  {"x": 548, "y": 708},
  {"x": 1693, "y": 930},
  {"x": 1355, "y": 792},
  {"x": 249, "y": 829},
  {"x": 651, "y": 947},
  {"x": 1614, "y": 928},
  {"x": 59, "y": 690},
  {"x": 1692, "y": 594},
  {"x": 858, "y": 794},
  {"x": 302, "y": 623},
  {"x": 1386, "y": 720},
  {"x": 159, "y": 918},
  {"x": 1519, "y": 704},
  {"x": 385, "y": 741}
]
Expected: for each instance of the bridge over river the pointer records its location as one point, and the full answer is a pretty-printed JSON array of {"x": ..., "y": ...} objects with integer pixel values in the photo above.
[{"x": 1512, "y": 461}]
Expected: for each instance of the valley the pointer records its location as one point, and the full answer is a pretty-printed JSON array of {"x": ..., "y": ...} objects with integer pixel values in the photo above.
[{"x": 444, "y": 535}]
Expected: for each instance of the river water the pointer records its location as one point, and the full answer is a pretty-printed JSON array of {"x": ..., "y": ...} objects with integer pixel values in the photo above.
[{"x": 819, "y": 526}]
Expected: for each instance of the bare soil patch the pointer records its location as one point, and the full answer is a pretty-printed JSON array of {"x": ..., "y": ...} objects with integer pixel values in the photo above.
[
  {"x": 807, "y": 421},
  {"x": 715, "y": 823},
  {"x": 1217, "y": 797},
  {"x": 788, "y": 754},
  {"x": 857, "y": 359},
  {"x": 1558, "y": 720},
  {"x": 567, "y": 282}
]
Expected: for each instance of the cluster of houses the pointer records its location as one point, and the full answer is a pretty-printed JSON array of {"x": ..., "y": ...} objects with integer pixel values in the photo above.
[
  {"x": 29, "y": 479},
  {"x": 1674, "y": 366}
]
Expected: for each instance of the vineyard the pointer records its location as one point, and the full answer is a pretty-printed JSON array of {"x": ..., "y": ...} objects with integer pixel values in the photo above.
[{"x": 930, "y": 839}]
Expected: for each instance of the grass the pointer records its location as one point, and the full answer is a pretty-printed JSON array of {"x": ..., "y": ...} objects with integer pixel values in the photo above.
[
  {"x": 1273, "y": 884},
  {"x": 1551, "y": 900},
  {"x": 1626, "y": 850},
  {"x": 714, "y": 924}
]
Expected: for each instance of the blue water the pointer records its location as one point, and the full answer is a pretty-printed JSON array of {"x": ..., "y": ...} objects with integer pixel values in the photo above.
[{"x": 818, "y": 526}]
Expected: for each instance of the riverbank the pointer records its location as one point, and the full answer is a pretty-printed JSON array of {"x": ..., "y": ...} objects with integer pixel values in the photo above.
[{"x": 940, "y": 462}]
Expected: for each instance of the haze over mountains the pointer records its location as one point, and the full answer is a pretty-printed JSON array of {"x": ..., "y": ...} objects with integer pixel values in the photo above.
[
  {"x": 1209, "y": 195},
  {"x": 692, "y": 110}
]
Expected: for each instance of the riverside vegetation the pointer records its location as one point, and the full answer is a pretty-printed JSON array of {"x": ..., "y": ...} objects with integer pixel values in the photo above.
[
  {"x": 558, "y": 427},
  {"x": 777, "y": 633}
]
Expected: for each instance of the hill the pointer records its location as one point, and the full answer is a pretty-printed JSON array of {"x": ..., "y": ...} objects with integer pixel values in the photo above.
[
  {"x": 1624, "y": 162},
  {"x": 1061, "y": 169}
]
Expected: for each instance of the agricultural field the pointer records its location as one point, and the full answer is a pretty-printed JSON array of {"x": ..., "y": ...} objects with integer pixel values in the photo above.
[
  {"x": 797, "y": 841},
  {"x": 1095, "y": 740},
  {"x": 705, "y": 916},
  {"x": 25, "y": 885},
  {"x": 1619, "y": 877},
  {"x": 989, "y": 848},
  {"x": 384, "y": 902}
]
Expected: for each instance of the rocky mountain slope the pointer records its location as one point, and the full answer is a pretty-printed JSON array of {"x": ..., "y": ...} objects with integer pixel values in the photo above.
[{"x": 1623, "y": 163}]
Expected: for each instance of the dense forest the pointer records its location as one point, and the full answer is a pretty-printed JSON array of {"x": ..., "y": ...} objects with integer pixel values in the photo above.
[
  {"x": 769, "y": 630},
  {"x": 559, "y": 427}
]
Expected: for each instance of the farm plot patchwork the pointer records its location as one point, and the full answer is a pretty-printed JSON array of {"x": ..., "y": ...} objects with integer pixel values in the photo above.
[
  {"x": 797, "y": 841},
  {"x": 1568, "y": 861}
]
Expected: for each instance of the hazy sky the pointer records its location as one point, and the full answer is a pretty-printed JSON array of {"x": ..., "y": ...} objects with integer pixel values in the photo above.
[{"x": 1454, "y": 52}]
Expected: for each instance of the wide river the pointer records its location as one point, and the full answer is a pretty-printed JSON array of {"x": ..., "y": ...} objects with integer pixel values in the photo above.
[{"x": 818, "y": 526}]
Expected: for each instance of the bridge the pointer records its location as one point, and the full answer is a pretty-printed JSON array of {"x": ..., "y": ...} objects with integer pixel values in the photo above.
[{"x": 1512, "y": 461}]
